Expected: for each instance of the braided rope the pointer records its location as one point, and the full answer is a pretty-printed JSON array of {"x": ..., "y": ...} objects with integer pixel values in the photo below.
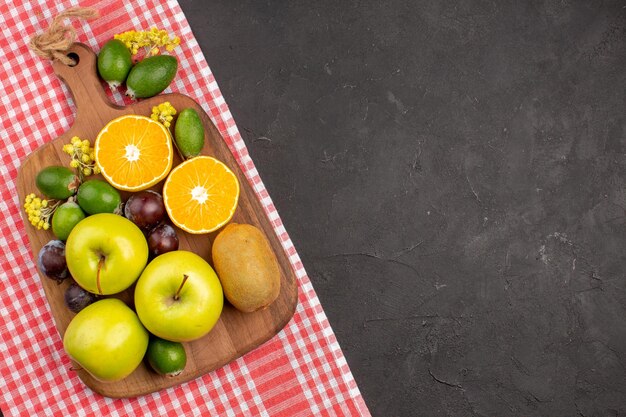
[{"x": 54, "y": 42}]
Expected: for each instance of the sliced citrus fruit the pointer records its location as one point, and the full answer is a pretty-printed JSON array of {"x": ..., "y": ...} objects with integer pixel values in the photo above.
[
  {"x": 134, "y": 152},
  {"x": 201, "y": 195}
]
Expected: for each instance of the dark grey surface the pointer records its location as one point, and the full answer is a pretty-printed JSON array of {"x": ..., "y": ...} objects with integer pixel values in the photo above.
[{"x": 453, "y": 177}]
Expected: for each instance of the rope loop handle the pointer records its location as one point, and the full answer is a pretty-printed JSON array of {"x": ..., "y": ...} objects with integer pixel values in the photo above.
[{"x": 54, "y": 42}]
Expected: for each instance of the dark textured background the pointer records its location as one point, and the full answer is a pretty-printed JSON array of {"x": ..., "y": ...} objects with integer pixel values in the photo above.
[{"x": 453, "y": 177}]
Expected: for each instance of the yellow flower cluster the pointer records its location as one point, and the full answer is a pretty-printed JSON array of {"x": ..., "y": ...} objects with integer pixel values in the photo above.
[
  {"x": 152, "y": 40},
  {"x": 163, "y": 113},
  {"x": 39, "y": 211},
  {"x": 83, "y": 158}
]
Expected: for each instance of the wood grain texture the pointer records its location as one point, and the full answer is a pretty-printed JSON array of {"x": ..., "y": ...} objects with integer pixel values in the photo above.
[{"x": 235, "y": 333}]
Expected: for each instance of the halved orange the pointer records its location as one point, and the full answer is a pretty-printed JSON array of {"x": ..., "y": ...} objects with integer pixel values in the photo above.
[
  {"x": 201, "y": 195},
  {"x": 134, "y": 152}
]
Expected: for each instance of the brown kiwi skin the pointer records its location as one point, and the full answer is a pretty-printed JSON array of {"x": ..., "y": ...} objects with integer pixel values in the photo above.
[{"x": 246, "y": 266}]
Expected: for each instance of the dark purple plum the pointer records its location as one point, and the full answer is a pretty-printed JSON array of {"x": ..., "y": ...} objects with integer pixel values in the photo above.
[
  {"x": 51, "y": 260},
  {"x": 77, "y": 298},
  {"x": 162, "y": 239},
  {"x": 145, "y": 209}
]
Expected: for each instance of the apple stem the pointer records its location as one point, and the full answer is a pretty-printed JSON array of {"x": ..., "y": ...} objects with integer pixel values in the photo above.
[
  {"x": 177, "y": 295},
  {"x": 100, "y": 264},
  {"x": 76, "y": 368}
]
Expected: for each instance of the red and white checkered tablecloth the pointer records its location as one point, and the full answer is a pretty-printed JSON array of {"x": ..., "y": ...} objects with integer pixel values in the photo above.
[{"x": 300, "y": 372}]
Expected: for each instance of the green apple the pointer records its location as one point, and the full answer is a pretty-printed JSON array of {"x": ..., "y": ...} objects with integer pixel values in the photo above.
[
  {"x": 107, "y": 339},
  {"x": 178, "y": 296},
  {"x": 106, "y": 253}
]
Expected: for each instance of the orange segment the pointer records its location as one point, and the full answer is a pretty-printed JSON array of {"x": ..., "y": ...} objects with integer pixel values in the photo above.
[
  {"x": 134, "y": 152},
  {"x": 201, "y": 195}
]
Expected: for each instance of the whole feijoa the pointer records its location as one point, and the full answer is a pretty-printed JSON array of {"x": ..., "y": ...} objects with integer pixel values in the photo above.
[
  {"x": 65, "y": 217},
  {"x": 57, "y": 182},
  {"x": 189, "y": 133},
  {"x": 97, "y": 196},
  {"x": 166, "y": 357},
  {"x": 114, "y": 62},
  {"x": 151, "y": 75}
]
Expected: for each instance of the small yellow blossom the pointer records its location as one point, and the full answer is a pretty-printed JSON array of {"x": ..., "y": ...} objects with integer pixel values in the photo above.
[
  {"x": 163, "y": 113},
  {"x": 39, "y": 211},
  {"x": 83, "y": 156},
  {"x": 153, "y": 40}
]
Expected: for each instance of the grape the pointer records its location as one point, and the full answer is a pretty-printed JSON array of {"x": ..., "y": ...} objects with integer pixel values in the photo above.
[
  {"x": 77, "y": 298},
  {"x": 162, "y": 239},
  {"x": 145, "y": 209},
  {"x": 51, "y": 260}
]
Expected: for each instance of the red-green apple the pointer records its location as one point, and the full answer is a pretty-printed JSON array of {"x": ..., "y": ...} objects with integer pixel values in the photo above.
[
  {"x": 178, "y": 296},
  {"x": 107, "y": 339},
  {"x": 106, "y": 253}
]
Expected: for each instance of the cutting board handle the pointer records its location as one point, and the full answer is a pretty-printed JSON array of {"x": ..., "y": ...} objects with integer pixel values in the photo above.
[{"x": 84, "y": 84}]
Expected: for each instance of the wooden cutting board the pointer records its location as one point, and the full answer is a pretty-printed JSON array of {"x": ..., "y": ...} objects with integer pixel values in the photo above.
[{"x": 235, "y": 333}]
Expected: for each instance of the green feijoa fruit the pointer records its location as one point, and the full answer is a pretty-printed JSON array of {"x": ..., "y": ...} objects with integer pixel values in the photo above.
[
  {"x": 165, "y": 357},
  {"x": 57, "y": 182},
  {"x": 97, "y": 196},
  {"x": 151, "y": 75},
  {"x": 114, "y": 62},
  {"x": 189, "y": 133},
  {"x": 65, "y": 217}
]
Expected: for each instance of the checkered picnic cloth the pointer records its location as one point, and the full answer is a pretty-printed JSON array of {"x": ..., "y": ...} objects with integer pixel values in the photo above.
[{"x": 299, "y": 372}]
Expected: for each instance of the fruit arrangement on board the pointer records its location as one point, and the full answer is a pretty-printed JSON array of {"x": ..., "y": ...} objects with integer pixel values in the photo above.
[{"x": 116, "y": 211}]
